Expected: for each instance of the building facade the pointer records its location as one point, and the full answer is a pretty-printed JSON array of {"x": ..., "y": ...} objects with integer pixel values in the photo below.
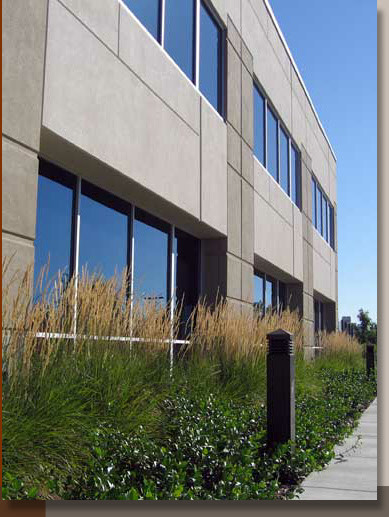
[{"x": 173, "y": 137}]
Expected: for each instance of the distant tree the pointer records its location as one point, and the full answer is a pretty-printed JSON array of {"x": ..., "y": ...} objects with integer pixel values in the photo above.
[{"x": 367, "y": 328}]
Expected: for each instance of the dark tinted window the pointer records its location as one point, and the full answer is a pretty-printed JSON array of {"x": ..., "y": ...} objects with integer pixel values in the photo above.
[
  {"x": 271, "y": 294},
  {"x": 150, "y": 259},
  {"x": 282, "y": 302},
  {"x": 148, "y": 13},
  {"x": 186, "y": 250},
  {"x": 259, "y": 126},
  {"x": 103, "y": 232},
  {"x": 332, "y": 228},
  {"x": 179, "y": 34},
  {"x": 319, "y": 211},
  {"x": 53, "y": 242},
  {"x": 325, "y": 218},
  {"x": 295, "y": 175},
  {"x": 284, "y": 165},
  {"x": 314, "y": 211},
  {"x": 272, "y": 144},
  {"x": 210, "y": 59}
]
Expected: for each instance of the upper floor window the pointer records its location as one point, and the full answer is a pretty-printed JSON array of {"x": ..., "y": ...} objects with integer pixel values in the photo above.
[
  {"x": 259, "y": 126},
  {"x": 211, "y": 59},
  {"x": 284, "y": 161},
  {"x": 179, "y": 39},
  {"x": 322, "y": 214},
  {"x": 295, "y": 176},
  {"x": 274, "y": 148},
  {"x": 192, "y": 37},
  {"x": 148, "y": 13},
  {"x": 272, "y": 144}
]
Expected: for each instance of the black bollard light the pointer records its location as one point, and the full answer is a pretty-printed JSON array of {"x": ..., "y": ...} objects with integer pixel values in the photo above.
[
  {"x": 280, "y": 388},
  {"x": 369, "y": 359}
]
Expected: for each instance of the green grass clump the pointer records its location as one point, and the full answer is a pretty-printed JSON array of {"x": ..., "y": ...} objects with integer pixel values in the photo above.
[{"x": 98, "y": 418}]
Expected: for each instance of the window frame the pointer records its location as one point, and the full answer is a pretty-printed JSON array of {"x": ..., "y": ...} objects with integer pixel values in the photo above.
[
  {"x": 222, "y": 57},
  {"x": 79, "y": 186},
  {"x": 291, "y": 144}
]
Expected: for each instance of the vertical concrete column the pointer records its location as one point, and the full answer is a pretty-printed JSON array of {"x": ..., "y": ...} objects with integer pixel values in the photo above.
[
  {"x": 23, "y": 37},
  {"x": 240, "y": 167},
  {"x": 308, "y": 310}
]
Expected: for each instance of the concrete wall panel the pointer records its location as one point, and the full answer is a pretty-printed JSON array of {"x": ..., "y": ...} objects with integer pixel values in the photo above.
[
  {"x": 261, "y": 180},
  {"x": 100, "y": 16},
  {"x": 234, "y": 88},
  {"x": 22, "y": 253},
  {"x": 234, "y": 213},
  {"x": 247, "y": 222},
  {"x": 115, "y": 117},
  {"x": 298, "y": 265},
  {"x": 213, "y": 169},
  {"x": 321, "y": 275},
  {"x": 145, "y": 57},
  {"x": 279, "y": 49},
  {"x": 234, "y": 277},
  {"x": 333, "y": 188},
  {"x": 266, "y": 66},
  {"x": 247, "y": 283},
  {"x": 299, "y": 123},
  {"x": 247, "y": 107},
  {"x": 19, "y": 193},
  {"x": 273, "y": 239},
  {"x": 230, "y": 7},
  {"x": 23, "y": 40},
  {"x": 281, "y": 202},
  {"x": 321, "y": 246},
  {"x": 247, "y": 163},
  {"x": 234, "y": 152}
]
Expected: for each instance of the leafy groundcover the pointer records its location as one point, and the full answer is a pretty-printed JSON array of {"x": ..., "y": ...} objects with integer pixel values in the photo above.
[{"x": 207, "y": 447}]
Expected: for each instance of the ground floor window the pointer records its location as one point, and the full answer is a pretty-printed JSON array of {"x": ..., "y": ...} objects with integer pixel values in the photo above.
[
  {"x": 82, "y": 229},
  {"x": 269, "y": 293}
]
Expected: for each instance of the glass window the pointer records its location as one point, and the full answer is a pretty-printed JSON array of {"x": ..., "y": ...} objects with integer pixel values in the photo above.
[
  {"x": 179, "y": 34},
  {"x": 148, "y": 13},
  {"x": 332, "y": 227},
  {"x": 319, "y": 211},
  {"x": 186, "y": 250},
  {"x": 295, "y": 174},
  {"x": 272, "y": 144},
  {"x": 282, "y": 303},
  {"x": 270, "y": 294},
  {"x": 314, "y": 203},
  {"x": 259, "y": 293},
  {"x": 325, "y": 218},
  {"x": 150, "y": 259},
  {"x": 284, "y": 158},
  {"x": 54, "y": 234},
  {"x": 210, "y": 82},
  {"x": 103, "y": 232},
  {"x": 259, "y": 126}
]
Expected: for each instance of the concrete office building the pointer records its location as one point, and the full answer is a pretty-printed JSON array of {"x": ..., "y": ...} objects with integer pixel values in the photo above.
[{"x": 176, "y": 137}]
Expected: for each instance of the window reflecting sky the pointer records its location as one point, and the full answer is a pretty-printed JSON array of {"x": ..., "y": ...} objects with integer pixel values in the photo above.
[
  {"x": 319, "y": 212},
  {"x": 179, "y": 34},
  {"x": 272, "y": 144},
  {"x": 258, "y": 292},
  {"x": 103, "y": 238},
  {"x": 259, "y": 126},
  {"x": 210, "y": 73},
  {"x": 269, "y": 294},
  {"x": 148, "y": 13},
  {"x": 53, "y": 228},
  {"x": 284, "y": 166},
  {"x": 314, "y": 211},
  {"x": 150, "y": 263}
]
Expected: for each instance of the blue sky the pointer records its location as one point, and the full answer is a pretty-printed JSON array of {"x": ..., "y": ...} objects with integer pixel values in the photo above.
[{"x": 334, "y": 44}]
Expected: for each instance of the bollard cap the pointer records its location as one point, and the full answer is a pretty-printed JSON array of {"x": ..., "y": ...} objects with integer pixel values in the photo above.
[{"x": 280, "y": 342}]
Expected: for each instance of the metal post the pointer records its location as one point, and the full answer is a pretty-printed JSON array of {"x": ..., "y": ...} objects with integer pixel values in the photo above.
[
  {"x": 369, "y": 359},
  {"x": 280, "y": 388}
]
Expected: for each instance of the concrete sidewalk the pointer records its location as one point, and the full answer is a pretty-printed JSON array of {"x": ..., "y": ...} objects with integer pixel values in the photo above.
[{"x": 352, "y": 474}]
